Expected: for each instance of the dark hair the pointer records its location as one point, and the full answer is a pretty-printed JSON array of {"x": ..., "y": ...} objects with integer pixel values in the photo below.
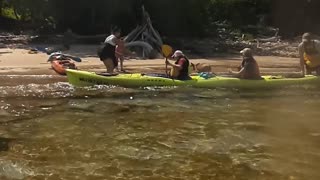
[{"x": 115, "y": 29}]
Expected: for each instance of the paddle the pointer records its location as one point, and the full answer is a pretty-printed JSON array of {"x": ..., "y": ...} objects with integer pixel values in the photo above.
[
  {"x": 77, "y": 59},
  {"x": 166, "y": 51}
]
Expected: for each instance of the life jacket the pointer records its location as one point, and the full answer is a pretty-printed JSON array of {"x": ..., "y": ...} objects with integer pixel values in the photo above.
[
  {"x": 311, "y": 56},
  {"x": 184, "y": 72}
]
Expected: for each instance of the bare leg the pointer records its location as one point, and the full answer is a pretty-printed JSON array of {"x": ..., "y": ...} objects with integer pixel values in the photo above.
[
  {"x": 121, "y": 63},
  {"x": 109, "y": 65},
  {"x": 117, "y": 68}
]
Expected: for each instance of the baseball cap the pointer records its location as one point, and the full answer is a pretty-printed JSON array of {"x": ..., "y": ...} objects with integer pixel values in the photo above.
[{"x": 177, "y": 53}]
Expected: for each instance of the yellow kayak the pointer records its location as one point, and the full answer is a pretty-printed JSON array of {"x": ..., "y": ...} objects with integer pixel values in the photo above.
[{"x": 85, "y": 78}]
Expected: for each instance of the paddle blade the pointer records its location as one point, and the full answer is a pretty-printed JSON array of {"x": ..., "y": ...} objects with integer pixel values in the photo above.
[
  {"x": 166, "y": 50},
  {"x": 77, "y": 59}
]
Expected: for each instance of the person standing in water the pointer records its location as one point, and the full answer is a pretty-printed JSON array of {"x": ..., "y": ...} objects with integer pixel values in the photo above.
[
  {"x": 107, "y": 53},
  {"x": 309, "y": 53}
]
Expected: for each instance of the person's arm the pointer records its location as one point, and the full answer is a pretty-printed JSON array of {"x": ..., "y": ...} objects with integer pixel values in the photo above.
[
  {"x": 317, "y": 45},
  {"x": 301, "y": 57},
  {"x": 237, "y": 74},
  {"x": 178, "y": 66}
]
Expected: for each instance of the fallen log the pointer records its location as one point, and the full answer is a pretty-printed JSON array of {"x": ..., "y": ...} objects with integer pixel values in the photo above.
[
  {"x": 266, "y": 40},
  {"x": 278, "y": 47},
  {"x": 138, "y": 33},
  {"x": 271, "y": 39},
  {"x": 152, "y": 39}
]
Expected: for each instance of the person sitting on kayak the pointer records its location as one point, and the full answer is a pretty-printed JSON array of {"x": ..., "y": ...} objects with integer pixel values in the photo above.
[
  {"x": 249, "y": 68},
  {"x": 309, "y": 52},
  {"x": 107, "y": 53},
  {"x": 180, "y": 69}
]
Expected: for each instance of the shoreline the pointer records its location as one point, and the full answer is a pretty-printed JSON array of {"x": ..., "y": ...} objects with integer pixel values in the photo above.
[{"x": 17, "y": 61}]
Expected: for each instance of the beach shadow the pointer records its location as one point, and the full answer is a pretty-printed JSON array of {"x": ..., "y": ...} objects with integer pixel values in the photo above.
[{"x": 5, "y": 52}]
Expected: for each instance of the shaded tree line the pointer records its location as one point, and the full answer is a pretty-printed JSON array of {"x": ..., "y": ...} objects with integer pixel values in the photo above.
[{"x": 170, "y": 17}]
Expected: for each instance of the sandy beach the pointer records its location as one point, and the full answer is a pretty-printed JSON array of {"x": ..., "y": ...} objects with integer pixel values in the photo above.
[{"x": 17, "y": 61}]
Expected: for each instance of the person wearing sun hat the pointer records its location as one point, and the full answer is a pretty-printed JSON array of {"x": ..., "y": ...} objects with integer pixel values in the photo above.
[
  {"x": 180, "y": 69},
  {"x": 309, "y": 53},
  {"x": 249, "y": 68}
]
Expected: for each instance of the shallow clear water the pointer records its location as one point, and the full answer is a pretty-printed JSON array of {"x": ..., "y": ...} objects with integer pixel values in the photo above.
[{"x": 54, "y": 131}]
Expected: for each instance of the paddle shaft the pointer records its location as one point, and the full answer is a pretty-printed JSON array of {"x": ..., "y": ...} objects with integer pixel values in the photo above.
[
  {"x": 166, "y": 66},
  {"x": 166, "y": 50}
]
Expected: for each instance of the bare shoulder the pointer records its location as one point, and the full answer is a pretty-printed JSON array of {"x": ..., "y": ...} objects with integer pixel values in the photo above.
[
  {"x": 300, "y": 47},
  {"x": 316, "y": 41}
]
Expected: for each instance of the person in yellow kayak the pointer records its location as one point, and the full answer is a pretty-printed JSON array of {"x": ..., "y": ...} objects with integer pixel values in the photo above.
[
  {"x": 309, "y": 53},
  {"x": 249, "y": 68},
  {"x": 180, "y": 69}
]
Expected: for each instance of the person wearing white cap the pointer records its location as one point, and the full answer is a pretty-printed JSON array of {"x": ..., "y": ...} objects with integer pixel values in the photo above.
[
  {"x": 249, "y": 68},
  {"x": 180, "y": 69},
  {"x": 309, "y": 53}
]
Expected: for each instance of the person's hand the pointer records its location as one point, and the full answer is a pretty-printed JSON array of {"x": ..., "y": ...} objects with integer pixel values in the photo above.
[{"x": 230, "y": 71}]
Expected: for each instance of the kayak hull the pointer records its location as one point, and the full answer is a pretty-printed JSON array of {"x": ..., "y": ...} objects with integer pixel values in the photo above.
[
  {"x": 84, "y": 78},
  {"x": 60, "y": 66}
]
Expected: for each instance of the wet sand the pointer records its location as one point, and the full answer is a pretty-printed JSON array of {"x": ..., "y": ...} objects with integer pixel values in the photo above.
[{"x": 19, "y": 62}]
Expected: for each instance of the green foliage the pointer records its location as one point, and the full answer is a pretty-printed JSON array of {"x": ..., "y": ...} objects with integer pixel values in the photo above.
[
  {"x": 239, "y": 12},
  {"x": 170, "y": 17},
  {"x": 9, "y": 13}
]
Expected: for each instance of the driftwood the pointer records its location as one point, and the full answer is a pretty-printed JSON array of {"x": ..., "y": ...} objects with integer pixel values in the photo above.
[
  {"x": 146, "y": 46},
  {"x": 135, "y": 33},
  {"x": 271, "y": 39},
  {"x": 274, "y": 39},
  {"x": 149, "y": 23},
  {"x": 152, "y": 39},
  {"x": 142, "y": 36},
  {"x": 145, "y": 36},
  {"x": 279, "y": 47}
]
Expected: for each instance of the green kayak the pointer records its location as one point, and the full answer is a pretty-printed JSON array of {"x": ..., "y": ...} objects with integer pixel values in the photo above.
[{"x": 85, "y": 78}]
